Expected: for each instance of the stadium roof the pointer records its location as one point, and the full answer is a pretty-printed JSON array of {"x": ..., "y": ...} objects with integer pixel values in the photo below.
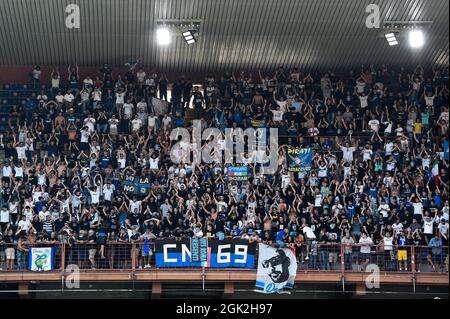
[{"x": 234, "y": 34}]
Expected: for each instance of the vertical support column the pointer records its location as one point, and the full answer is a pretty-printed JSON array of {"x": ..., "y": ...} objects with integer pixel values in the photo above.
[
  {"x": 360, "y": 289},
  {"x": 413, "y": 260},
  {"x": 413, "y": 267},
  {"x": 342, "y": 266},
  {"x": 23, "y": 288},
  {"x": 63, "y": 257},
  {"x": 133, "y": 258},
  {"x": 63, "y": 264},
  {"x": 156, "y": 289},
  {"x": 228, "y": 289}
]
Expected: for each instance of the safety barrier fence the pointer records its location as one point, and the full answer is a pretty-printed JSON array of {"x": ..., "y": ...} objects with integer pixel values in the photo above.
[{"x": 311, "y": 256}]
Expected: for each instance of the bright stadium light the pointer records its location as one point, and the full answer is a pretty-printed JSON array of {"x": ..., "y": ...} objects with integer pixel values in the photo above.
[
  {"x": 189, "y": 37},
  {"x": 163, "y": 36},
  {"x": 416, "y": 38},
  {"x": 391, "y": 38}
]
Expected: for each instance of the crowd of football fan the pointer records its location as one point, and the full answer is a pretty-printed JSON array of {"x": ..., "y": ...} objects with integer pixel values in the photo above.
[{"x": 379, "y": 172}]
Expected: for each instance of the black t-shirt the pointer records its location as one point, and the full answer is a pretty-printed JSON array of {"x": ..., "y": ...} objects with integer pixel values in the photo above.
[
  {"x": 59, "y": 224},
  {"x": 163, "y": 84},
  {"x": 323, "y": 239},
  {"x": 8, "y": 239},
  {"x": 81, "y": 238},
  {"x": 102, "y": 120},
  {"x": 219, "y": 225},
  {"x": 93, "y": 241}
]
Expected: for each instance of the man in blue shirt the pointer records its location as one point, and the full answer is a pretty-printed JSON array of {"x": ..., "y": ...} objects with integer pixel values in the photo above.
[
  {"x": 39, "y": 204},
  {"x": 280, "y": 237},
  {"x": 435, "y": 253}
]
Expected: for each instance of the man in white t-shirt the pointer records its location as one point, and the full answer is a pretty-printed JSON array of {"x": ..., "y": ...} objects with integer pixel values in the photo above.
[
  {"x": 221, "y": 204},
  {"x": 107, "y": 191},
  {"x": 84, "y": 138},
  {"x": 59, "y": 98},
  {"x": 20, "y": 149},
  {"x": 6, "y": 171},
  {"x": 95, "y": 195},
  {"x": 429, "y": 99},
  {"x": 388, "y": 247},
  {"x": 142, "y": 105},
  {"x": 277, "y": 115},
  {"x": 4, "y": 218},
  {"x": 384, "y": 209},
  {"x": 365, "y": 242},
  {"x": 128, "y": 108},
  {"x": 136, "y": 124},
  {"x": 363, "y": 100},
  {"x": 347, "y": 151},
  {"x": 120, "y": 99},
  {"x": 443, "y": 231},
  {"x": 88, "y": 83},
  {"x": 152, "y": 122},
  {"x": 282, "y": 104},
  {"x": 166, "y": 121},
  {"x": 367, "y": 153},
  {"x": 135, "y": 204},
  {"x": 418, "y": 209},
  {"x": 388, "y": 148},
  {"x": 428, "y": 227},
  {"x": 374, "y": 124},
  {"x": 68, "y": 99},
  {"x": 96, "y": 98},
  {"x": 140, "y": 76},
  {"x": 154, "y": 162},
  {"x": 24, "y": 225},
  {"x": 89, "y": 122},
  {"x": 113, "y": 125}
]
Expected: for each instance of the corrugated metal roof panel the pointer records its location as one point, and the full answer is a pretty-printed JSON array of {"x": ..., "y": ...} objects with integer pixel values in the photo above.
[{"x": 235, "y": 35}]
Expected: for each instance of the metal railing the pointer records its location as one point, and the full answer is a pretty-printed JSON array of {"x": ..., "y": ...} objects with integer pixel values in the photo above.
[{"x": 310, "y": 256}]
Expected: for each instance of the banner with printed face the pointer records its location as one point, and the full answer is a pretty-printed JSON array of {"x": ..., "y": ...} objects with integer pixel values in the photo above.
[
  {"x": 228, "y": 253},
  {"x": 136, "y": 185},
  {"x": 40, "y": 259},
  {"x": 277, "y": 268},
  {"x": 299, "y": 159},
  {"x": 237, "y": 173}
]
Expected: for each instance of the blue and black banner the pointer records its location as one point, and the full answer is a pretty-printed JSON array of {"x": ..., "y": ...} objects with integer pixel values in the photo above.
[
  {"x": 299, "y": 159},
  {"x": 228, "y": 253},
  {"x": 136, "y": 185}
]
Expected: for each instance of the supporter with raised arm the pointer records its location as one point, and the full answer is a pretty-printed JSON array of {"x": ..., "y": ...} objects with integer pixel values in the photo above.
[{"x": 107, "y": 164}]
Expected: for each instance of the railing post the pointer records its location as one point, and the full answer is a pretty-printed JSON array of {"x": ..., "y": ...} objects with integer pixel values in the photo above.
[
  {"x": 342, "y": 266},
  {"x": 133, "y": 257},
  {"x": 63, "y": 257},
  {"x": 63, "y": 263},
  {"x": 413, "y": 268}
]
